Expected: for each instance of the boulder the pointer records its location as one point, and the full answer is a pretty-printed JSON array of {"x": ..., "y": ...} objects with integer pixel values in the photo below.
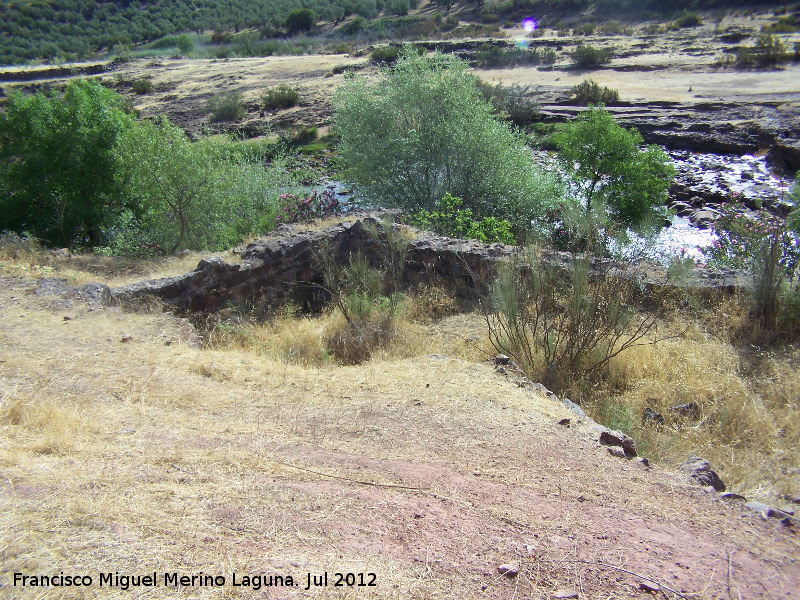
[
  {"x": 617, "y": 438},
  {"x": 700, "y": 471}
]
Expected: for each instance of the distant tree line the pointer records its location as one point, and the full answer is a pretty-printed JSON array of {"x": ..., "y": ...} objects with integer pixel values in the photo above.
[{"x": 77, "y": 29}]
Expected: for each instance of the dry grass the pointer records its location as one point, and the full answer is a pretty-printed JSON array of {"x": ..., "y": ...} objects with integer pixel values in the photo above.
[
  {"x": 32, "y": 261},
  {"x": 143, "y": 456},
  {"x": 748, "y": 403}
]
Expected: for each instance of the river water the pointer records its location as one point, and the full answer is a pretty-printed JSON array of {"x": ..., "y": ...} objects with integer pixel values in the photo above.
[{"x": 703, "y": 181}]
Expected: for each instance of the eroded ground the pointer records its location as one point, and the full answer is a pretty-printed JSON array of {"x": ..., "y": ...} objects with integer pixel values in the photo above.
[{"x": 153, "y": 454}]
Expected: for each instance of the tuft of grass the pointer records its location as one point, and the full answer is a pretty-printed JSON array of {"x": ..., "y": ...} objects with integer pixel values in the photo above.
[{"x": 142, "y": 86}]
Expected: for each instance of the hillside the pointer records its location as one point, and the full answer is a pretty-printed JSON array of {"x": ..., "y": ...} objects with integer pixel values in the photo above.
[
  {"x": 126, "y": 448},
  {"x": 80, "y": 29}
]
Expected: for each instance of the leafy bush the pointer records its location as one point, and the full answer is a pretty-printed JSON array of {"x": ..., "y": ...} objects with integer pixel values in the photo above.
[
  {"x": 302, "y": 19},
  {"x": 190, "y": 194},
  {"x": 606, "y": 161},
  {"x": 453, "y": 221},
  {"x": 585, "y": 29},
  {"x": 493, "y": 56},
  {"x": 422, "y": 130},
  {"x": 354, "y": 26},
  {"x": 514, "y": 102},
  {"x": 295, "y": 209},
  {"x": 614, "y": 28},
  {"x": 226, "y": 107},
  {"x": 59, "y": 165},
  {"x": 385, "y": 54},
  {"x": 769, "y": 50},
  {"x": 589, "y": 56},
  {"x": 589, "y": 92},
  {"x": 281, "y": 96},
  {"x": 302, "y": 134},
  {"x": 185, "y": 44},
  {"x": 689, "y": 19},
  {"x": 142, "y": 86}
]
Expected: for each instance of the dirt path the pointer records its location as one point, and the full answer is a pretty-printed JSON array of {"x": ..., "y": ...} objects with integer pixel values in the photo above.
[{"x": 430, "y": 472}]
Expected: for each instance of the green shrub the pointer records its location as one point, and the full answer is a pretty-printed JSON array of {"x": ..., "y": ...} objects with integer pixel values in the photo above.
[
  {"x": 421, "y": 130},
  {"x": 281, "y": 96},
  {"x": 587, "y": 56},
  {"x": 614, "y": 28},
  {"x": 606, "y": 161},
  {"x": 589, "y": 92},
  {"x": 59, "y": 164},
  {"x": 453, "y": 221},
  {"x": 514, "y": 102},
  {"x": 354, "y": 26},
  {"x": 341, "y": 48},
  {"x": 185, "y": 44},
  {"x": 226, "y": 107},
  {"x": 385, "y": 54},
  {"x": 302, "y": 19},
  {"x": 689, "y": 19},
  {"x": 302, "y": 134},
  {"x": 221, "y": 37},
  {"x": 142, "y": 86},
  {"x": 768, "y": 51},
  {"x": 490, "y": 57},
  {"x": 585, "y": 29}
]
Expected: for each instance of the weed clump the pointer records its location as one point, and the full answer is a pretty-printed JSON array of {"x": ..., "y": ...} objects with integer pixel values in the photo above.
[
  {"x": 226, "y": 107},
  {"x": 585, "y": 56},
  {"x": 281, "y": 96},
  {"x": 589, "y": 92}
]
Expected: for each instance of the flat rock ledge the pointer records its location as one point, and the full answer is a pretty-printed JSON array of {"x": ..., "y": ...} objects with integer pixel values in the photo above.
[{"x": 283, "y": 266}]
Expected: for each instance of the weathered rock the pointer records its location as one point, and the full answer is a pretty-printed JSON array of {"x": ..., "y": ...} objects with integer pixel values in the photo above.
[
  {"x": 700, "y": 471},
  {"x": 690, "y": 409},
  {"x": 652, "y": 416},
  {"x": 564, "y": 594},
  {"x": 767, "y": 511},
  {"x": 616, "y": 451},
  {"x": 501, "y": 359},
  {"x": 650, "y": 588},
  {"x": 283, "y": 267},
  {"x": 617, "y": 438},
  {"x": 731, "y": 497},
  {"x": 508, "y": 570},
  {"x": 573, "y": 407}
]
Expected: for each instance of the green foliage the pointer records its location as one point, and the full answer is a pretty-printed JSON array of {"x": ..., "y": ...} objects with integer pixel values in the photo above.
[
  {"x": 422, "y": 130},
  {"x": 613, "y": 170},
  {"x": 185, "y": 44},
  {"x": 589, "y": 92},
  {"x": 302, "y": 19},
  {"x": 58, "y": 163},
  {"x": 142, "y": 86},
  {"x": 190, "y": 194},
  {"x": 588, "y": 56},
  {"x": 354, "y": 26},
  {"x": 689, "y": 19},
  {"x": 281, "y": 96},
  {"x": 226, "y": 107},
  {"x": 766, "y": 246},
  {"x": 385, "y": 54},
  {"x": 453, "y": 221},
  {"x": 515, "y": 102},
  {"x": 768, "y": 51},
  {"x": 491, "y": 57}
]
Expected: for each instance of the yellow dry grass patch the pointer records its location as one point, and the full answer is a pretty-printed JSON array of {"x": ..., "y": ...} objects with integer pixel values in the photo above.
[{"x": 748, "y": 404}]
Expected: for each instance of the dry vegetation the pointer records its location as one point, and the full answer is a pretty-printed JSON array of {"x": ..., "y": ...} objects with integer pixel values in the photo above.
[{"x": 259, "y": 455}]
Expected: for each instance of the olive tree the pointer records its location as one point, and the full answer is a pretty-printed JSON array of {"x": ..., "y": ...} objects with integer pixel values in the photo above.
[{"x": 422, "y": 130}]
